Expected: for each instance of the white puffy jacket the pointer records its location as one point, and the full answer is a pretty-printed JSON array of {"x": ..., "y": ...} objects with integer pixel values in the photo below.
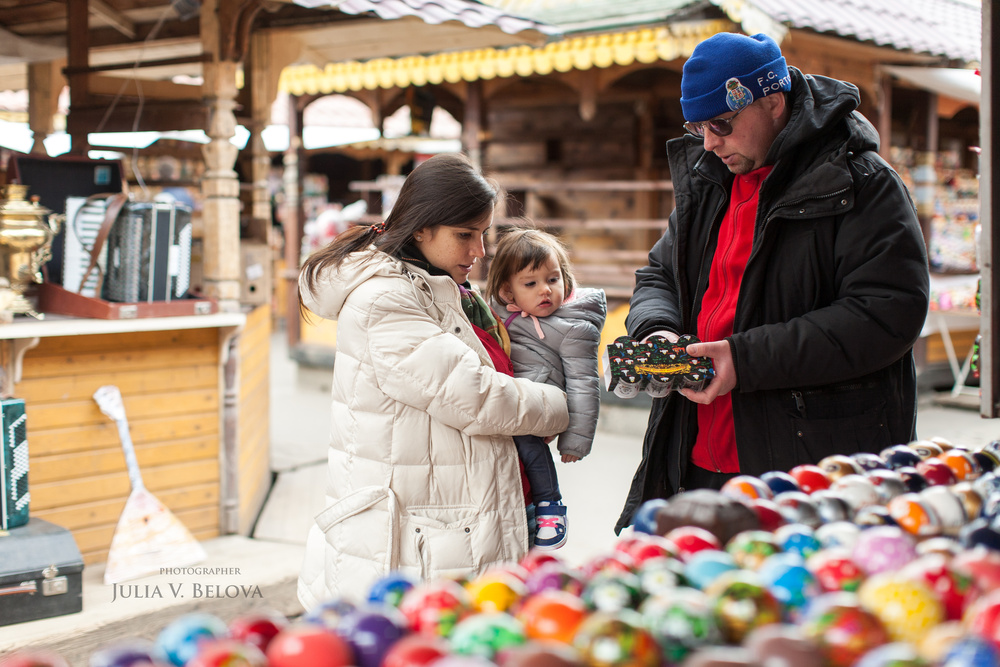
[{"x": 423, "y": 474}]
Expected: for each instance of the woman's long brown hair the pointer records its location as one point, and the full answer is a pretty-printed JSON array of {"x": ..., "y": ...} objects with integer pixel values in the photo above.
[{"x": 445, "y": 190}]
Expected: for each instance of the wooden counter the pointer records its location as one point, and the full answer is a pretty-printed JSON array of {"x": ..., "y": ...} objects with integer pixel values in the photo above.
[{"x": 196, "y": 397}]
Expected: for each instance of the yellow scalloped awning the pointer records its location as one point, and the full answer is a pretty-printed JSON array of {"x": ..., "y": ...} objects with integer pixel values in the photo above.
[{"x": 604, "y": 50}]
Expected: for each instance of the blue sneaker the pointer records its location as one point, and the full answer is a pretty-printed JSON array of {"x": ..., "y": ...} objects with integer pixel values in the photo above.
[{"x": 551, "y": 520}]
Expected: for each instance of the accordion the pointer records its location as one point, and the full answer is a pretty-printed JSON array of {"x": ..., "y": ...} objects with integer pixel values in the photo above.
[
  {"x": 148, "y": 253},
  {"x": 13, "y": 465}
]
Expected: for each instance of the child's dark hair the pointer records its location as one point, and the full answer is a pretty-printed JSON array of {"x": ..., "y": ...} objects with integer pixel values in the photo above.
[
  {"x": 445, "y": 190},
  {"x": 519, "y": 249}
]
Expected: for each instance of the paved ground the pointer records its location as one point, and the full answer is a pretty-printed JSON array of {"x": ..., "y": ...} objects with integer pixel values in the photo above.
[{"x": 594, "y": 490}]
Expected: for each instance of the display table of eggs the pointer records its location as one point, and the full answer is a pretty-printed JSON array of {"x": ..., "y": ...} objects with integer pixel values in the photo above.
[{"x": 889, "y": 560}]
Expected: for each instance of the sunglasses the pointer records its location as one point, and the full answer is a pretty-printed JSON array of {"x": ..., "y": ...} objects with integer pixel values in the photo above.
[{"x": 720, "y": 127}]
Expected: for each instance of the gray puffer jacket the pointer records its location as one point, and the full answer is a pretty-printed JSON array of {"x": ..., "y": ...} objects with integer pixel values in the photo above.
[{"x": 567, "y": 358}]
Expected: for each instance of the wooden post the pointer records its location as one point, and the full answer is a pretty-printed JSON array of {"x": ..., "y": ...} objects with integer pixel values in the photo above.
[
  {"x": 292, "y": 221},
  {"x": 472, "y": 124},
  {"x": 989, "y": 205},
  {"x": 220, "y": 185},
  {"x": 45, "y": 83},
  {"x": 884, "y": 113},
  {"x": 78, "y": 55}
]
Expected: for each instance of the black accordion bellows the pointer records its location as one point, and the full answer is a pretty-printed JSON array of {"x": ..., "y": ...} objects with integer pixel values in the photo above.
[{"x": 149, "y": 253}]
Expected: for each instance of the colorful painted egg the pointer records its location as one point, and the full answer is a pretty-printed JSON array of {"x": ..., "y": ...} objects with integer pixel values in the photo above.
[
  {"x": 779, "y": 482},
  {"x": 897, "y": 654},
  {"x": 981, "y": 564},
  {"x": 535, "y": 558},
  {"x": 908, "y": 609},
  {"x": 937, "y": 472},
  {"x": 486, "y": 634},
  {"x": 415, "y": 651},
  {"x": 798, "y": 507},
  {"x": 940, "y": 639},
  {"x": 915, "y": 482},
  {"x": 371, "y": 631},
  {"x": 681, "y": 622},
  {"x": 180, "y": 640},
  {"x": 869, "y": 461},
  {"x": 857, "y": 490},
  {"x": 782, "y": 645},
  {"x": 742, "y": 603},
  {"x": 842, "y": 628},
  {"x": 751, "y": 547},
  {"x": 552, "y": 615},
  {"x": 913, "y": 514},
  {"x": 954, "y": 588},
  {"x": 883, "y": 549},
  {"x": 962, "y": 463},
  {"x": 888, "y": 483},
  {"x": 390, "y": 589},
  {"x": 692, "y": 539},
  {"x": 746, "y": 487},
  {"x": 644, "y": 520},
  {"x": 33, "y": 658},
  {"x": 981, "y": 533},
  {"x": 988, "y": 460},
  {"x": 616, "y": 640},
  {"x": 944, "y": 546},
  {"x": 832, "y": 505},
  {"x": 643, "y": 547},
  {"x": 839, "y": 465},
  {"x": 612, "y": 591},
  {"x": 925, "y": 449},
  {"x": 329, "y": 613},
  {"x": 617, "y": 561},
  {"x": 258, "y": 628},
  {"x": 127, "y": 653},
  {"x": 899, "y": 456},
  {"x": 810, "y": 477},
  {"x": 838, "y": 534},
  {"x": 705, "y": 566},
  {"x": 983, "y": 617},
  {"x": 556, "y": 576},
  {"x": 798, "y": 538},
  {"x": 768, "y": 513},
  {"x": 309, "y": 645},
  {"x": 495, "y": 590},
  {"x": 946, "y": 507},
  {"x": 971, "y": 501},
  {"x": 835, "y": 571},
  {"x": 659, "y": 575},
  {"x": 787, "y": 578},
  {"x": 434, "y": 608},
  {"x": 876, "y": 515},
  {"x": 987, "y": 485},
  {"x": 972, "y": 652},
  {"x": 228, "y": 653}
]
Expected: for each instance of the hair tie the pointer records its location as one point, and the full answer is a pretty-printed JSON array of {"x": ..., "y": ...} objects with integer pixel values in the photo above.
[{"x": 378, "y": 228}]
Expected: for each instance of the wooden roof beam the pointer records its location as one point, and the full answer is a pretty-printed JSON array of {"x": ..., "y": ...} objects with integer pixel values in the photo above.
[{"x": 113, "y": 17}]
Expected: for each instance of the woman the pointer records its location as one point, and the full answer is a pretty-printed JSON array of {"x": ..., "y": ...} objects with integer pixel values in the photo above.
[{"x": 423, "y": 474}]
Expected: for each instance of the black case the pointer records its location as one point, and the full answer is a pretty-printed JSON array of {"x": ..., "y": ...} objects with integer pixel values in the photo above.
[{"x": 41, "y": 573}]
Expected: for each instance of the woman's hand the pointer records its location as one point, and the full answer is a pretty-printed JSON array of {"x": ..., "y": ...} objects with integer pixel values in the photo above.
[{"x": 570, "y": 458}]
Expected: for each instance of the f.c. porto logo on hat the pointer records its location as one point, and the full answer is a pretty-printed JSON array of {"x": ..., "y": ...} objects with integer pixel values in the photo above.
[{"x": 737, "y": 95}]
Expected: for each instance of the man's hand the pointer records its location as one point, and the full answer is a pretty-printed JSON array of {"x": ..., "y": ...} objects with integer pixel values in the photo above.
[
  {"x": 570, "y": 458},
  {"x": 725, "y": 371}
]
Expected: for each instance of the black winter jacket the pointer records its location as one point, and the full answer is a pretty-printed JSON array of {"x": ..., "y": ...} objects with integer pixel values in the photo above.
[{"x": 834, "y": 295}]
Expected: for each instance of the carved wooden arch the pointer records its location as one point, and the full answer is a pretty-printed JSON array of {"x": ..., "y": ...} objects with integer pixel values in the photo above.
[{"x": 236, "y": 18}]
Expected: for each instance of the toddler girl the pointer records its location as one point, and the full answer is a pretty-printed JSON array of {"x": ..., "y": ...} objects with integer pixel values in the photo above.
[{"x": 555, "y": 333}]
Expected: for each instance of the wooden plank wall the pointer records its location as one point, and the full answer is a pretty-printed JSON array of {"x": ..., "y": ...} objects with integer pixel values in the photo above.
[
  {"x": 169, "y": 381},
  {"x": 254, "y": 465}
]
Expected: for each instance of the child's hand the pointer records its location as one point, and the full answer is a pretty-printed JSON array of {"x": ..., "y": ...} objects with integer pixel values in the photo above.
[
  {"x": 549, "y": 438},
  {"x": 570, "y": 458}
]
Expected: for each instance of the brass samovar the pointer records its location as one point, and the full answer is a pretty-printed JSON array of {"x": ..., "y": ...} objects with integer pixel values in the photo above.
[{"x": 26, "y": 232}]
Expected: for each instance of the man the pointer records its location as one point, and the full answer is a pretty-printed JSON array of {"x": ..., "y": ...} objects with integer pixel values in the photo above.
[{"x": 795, "y": 255}]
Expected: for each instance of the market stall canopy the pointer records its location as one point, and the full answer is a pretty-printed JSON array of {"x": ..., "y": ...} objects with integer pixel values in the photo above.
[
  {"x": 961, "y": 84},
  {"x": 126, "y": 37}
]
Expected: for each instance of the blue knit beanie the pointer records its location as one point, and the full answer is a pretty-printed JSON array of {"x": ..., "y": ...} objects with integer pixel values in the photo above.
[{"x": 728, "y": 71}]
